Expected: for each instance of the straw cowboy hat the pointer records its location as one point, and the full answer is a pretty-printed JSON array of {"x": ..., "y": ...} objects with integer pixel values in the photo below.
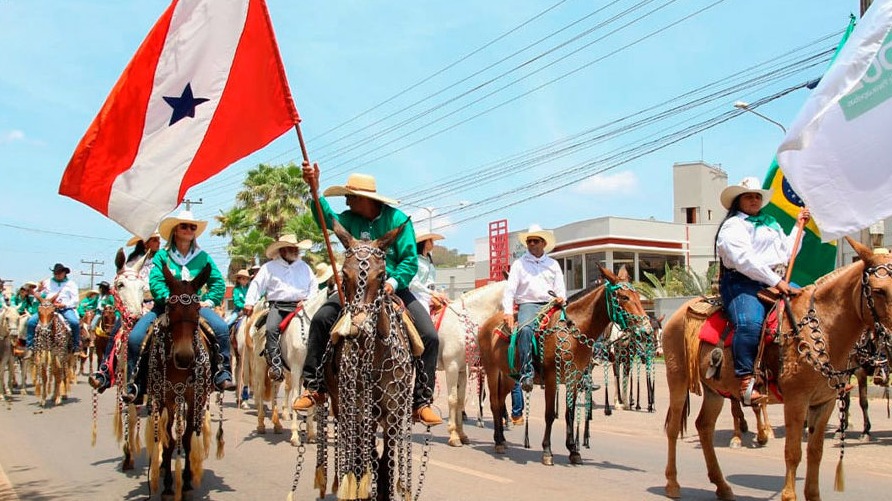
[
  {"x": 60, "y": 267},
  {"x": 272, "y": 251},
  {"x": 324, "y": 271},
  {"x": 242, "y": 273},
  {"x": 747, "y": 185},
  {"x": 135, "y": 239},
  {"x": 360, "y": 185},
  {"x": 433, "y": 237},
  {"x": 165, "y": 228},
  {"x": 91, "y": 292},
  {"x": 536, "y": 231},
  {"x": 29, "y": 284}
]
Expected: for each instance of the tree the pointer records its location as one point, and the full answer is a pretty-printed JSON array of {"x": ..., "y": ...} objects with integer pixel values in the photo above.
[{"x": 678, "y": 281}]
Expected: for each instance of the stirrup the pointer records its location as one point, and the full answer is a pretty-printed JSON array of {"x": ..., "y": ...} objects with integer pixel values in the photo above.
[{"x": 747, "y": 397}]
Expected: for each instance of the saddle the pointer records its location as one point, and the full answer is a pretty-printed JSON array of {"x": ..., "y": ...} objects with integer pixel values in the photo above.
[
  {"x": 540, "y": 323},
  {"x": 341, "y": 329}
]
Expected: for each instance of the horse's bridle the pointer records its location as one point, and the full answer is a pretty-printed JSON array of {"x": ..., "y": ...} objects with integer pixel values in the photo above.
[{"x": 363, "y": 254}]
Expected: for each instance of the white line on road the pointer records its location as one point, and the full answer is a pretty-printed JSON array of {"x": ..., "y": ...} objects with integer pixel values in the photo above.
[{"x": 468, "y": 471}]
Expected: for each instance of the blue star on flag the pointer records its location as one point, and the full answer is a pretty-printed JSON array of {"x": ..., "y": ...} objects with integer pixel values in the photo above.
[{"x": 184, "y": 106}]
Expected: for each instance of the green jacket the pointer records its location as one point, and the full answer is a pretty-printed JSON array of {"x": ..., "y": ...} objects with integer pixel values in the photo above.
[
  {"x": 27, "y": 305},
  {"x": 238, "y": 296},
  {"x": 401, "y": 257},
  {"x": 215, "y": 287},
  {"x": 88, "y": 303}
]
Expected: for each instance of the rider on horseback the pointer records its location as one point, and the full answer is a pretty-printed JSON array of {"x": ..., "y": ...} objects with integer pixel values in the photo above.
[
  {"x": 286, "y": 281},
  {"x": 239, "y": 291},
  {"x": 185, "y": 260},
  {"x": 534, "y": 280},
  {"x": 370, "y": 216},
  {"x": 64, "y": 293},
  {"x": 753, "y": 250}
]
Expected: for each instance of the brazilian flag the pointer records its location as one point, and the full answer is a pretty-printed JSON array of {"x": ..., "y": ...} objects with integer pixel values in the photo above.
[{"x": 815, "y": 258}]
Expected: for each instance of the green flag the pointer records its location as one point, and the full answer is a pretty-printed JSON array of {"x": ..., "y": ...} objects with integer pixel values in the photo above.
[{"x": 815, "y": 258}]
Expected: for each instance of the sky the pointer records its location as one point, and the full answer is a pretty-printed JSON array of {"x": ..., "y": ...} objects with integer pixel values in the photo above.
[{"x": 445, "y": 103}]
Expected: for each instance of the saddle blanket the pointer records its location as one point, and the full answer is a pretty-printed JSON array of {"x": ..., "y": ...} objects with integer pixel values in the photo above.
[{"x": 715, "y": 325}]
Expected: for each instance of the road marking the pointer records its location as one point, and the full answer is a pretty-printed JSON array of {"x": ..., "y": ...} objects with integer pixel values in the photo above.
[
  {"x": 468, "y": 471},
  {"x": 6, "y": 490}
]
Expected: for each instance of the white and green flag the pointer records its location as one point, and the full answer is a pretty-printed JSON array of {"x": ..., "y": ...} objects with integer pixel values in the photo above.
[{"x": 837, "y": 154}]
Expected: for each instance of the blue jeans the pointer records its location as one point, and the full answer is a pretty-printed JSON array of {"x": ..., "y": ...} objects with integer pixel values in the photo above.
[
  {"x": 221, "y": 333},
  {"x": 73, "y": 322},
  {"x": 525, "y": 313},
  {"x": 516, "y": 401},
  {"x": 746, "y": 313}
]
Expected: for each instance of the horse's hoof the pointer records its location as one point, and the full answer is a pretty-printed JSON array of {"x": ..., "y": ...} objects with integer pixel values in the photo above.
[
  {"x": 261, "y": 430},
  {"x": 465, "y": 440},
  {"x": 575, "y": 458},
  {"x": 724, "y": 493},
  {"x": 735, "y": 443},
  {"x": 167, "y": 497},
  {"x": 455, "y": 442},
  {"x": 673, "y": 491},
  {"x": 500, "y": 449},
  {"x": 277, "y": 430},
  {"x": 865, "y": 438},
  {"x": 547, "y": 460},
  {"x": 245, "y": 406}
]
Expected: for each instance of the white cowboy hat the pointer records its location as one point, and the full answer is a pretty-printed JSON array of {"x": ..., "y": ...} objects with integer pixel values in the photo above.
[
  {"x": 747, "y": 185},
  {"x": 428, "y": 236},
  {"x": 272, "y": 251},
  {"x": 242, "y": 273},
  {"x": 324, "y": 271},
  {"x": 29, "y": 284},
  {"x": 536, "y": 231},
  {"x": 360, "y": 185},
  {"x": 135, "y": 239},
  {"x": 91, "y": 292},
  {"x": 165, "y": 228}
]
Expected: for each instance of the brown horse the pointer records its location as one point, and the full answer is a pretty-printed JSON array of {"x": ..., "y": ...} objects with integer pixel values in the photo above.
[
  {"x": 87, "y": 340},
  {"x": 179, "y": 386},
  {"x": 102, "y": 333},
  {"x": 566, "y": 353},
  {"x": 370, "y": 380},
  {"x": 52, "y": 354},
  {"x": 810, "y": 362}
]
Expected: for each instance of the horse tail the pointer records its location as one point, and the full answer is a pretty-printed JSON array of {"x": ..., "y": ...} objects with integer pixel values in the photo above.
[{"x": 685, "y": 414}]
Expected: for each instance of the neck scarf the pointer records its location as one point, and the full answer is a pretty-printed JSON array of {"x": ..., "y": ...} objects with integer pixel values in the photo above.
[{"x": 763, "y": 219}]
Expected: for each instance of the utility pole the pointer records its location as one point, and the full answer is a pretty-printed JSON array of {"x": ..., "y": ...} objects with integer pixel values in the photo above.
[
  {"x": 92, "y": 273},
  {"x": 189, "y": 203}
]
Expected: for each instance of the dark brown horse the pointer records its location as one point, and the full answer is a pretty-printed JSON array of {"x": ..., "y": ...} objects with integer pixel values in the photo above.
[
  {"x": 179, "y": 386},
  {"x": 811, "y": 364},
  {"x": 566, "y": 353},
  {"x": 370, "y": 380},
  {"x": 101, "y": 337}
]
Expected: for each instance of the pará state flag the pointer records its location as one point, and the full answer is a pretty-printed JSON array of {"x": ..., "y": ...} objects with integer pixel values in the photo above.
[
  {"x": 837, "y": 155},
  {"x": 206, "y": 88}
]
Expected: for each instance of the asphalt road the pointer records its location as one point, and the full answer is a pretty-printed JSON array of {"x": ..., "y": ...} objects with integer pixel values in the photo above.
[{"x": 45, "y": 454}]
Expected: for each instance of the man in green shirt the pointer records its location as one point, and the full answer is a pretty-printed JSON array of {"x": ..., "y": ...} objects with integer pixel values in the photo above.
[{"x": 370, "y": 216}]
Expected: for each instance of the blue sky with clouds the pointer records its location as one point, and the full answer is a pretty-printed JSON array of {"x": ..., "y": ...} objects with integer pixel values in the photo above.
[{"x": 488, "y": 90}]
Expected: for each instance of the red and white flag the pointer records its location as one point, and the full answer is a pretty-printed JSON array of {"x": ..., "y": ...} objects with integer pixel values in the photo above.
[{"x": 205, "y": 89}]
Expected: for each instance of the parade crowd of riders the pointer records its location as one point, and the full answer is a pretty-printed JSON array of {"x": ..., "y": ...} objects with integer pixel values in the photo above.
[{"x": 750, "y": 245}]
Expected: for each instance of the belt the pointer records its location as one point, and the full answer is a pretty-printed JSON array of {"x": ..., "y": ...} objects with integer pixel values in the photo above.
[{"x": 286, "y": 304}]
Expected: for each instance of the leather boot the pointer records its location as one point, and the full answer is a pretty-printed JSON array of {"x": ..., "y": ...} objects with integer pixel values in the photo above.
[
  {"x": 749, "y": 395},
  {"x": 308, "y": 400}
]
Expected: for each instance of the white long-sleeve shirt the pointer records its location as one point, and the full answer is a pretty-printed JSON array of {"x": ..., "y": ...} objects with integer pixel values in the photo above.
[
  {"x": 281, "y": 281},
  {"x": 530, "y": 279},
  {"x": 753, "y": 251},
  {"x": 67, "y": 291}
]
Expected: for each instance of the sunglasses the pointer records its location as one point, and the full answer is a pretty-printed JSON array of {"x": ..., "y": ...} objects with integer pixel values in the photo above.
[
  {"x": 188, "y": 226},
  {"x": 535, "y": 241}
]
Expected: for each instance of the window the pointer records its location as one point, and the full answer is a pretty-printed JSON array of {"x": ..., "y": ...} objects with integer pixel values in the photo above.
[
  {"x": 572, "y": 266},
  {"x": 691, "y": 215},
  {"x": 592, "y": 260},
  {"x": 626, "y": 259}
]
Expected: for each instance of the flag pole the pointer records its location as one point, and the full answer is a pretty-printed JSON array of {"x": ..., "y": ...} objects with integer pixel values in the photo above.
[
  {"x": 800, "y": 226},
  {"x": 314, "y": 191}
]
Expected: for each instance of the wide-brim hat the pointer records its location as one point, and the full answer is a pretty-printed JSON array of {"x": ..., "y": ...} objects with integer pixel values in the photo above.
[
  {"x": 60, "y": 267},
  {"x": 29, "y": 284},
  {"x": 428, "y": 236},
  {"x": 536, "y": 231},
  {"x": 91, "y": 292},
  {"x": 135, "y": 239},
  {"x": 324, "y": 271},
  {"x": 272, "y": 251},
  {"x": 165, "y": 228},
  {"x": 361, "y": 185},
  {"x": 242, "y": 273},
  {"x": 747, "y": 185}
]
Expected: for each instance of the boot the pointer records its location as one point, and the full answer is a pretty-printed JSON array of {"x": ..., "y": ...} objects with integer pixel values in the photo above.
[
  {"x": 99, "y": 380},
  {"x": 130, "y": 393},
  {"x": 308, "y": 400},
  {"x": 274, "y": 358},
  {"x": 426, "y": 415},
  {"x": 223, "y": 381},
  {"x": 749, "y": 395}
]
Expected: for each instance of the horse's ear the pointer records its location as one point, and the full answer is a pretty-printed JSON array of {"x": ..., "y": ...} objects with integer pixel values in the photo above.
[
  {"x": 623, "y": 274},
  {"x": 119, "y": 259},
  {"x": 863, "y": 252},
  {"x": 609, "y": 275},
  {"x": 202, "y": 278},
  {"x": 168, "y": 276},
  {"x": 343, "y": 235},
  {"x": 388, "y": 238}
]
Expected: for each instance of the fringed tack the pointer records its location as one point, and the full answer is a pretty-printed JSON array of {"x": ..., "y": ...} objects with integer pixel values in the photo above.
[
  {"x": 196, "y": 460},
  {"x": 290, "y": 496},
  {"x": 117, "y": 424},
  {"x": 319, "y": 481},
  {"x": 206, "y": 434},
  {"x": 839, "y": 482},
  {"x": 93, "y": 431},
  {"x": 178, "y": 477},
  {"x": 150, "y": 437},
  {"x": 348, "y": 488},
  {"x": 133, "y": 437},
  {"x": 365, "y": 485},
  {"x": 220, "y": 442}
]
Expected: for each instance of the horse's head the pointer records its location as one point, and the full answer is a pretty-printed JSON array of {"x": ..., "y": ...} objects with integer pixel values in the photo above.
[
  {"x": 128, "y": 287},
  {"x": 45, "y": 312},
  {"x": 9, "y": 322},
  {"x": 183, "y": 306},
  {"x": 364, "y": 271},
  {"x": 876, "y": 286},
  {"x": 624, "y": 302}
]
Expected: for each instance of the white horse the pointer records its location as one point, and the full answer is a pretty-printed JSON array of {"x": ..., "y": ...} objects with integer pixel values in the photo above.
[
  {"x": 9, "y": 326},
  {"x": 293, "y": 345},
  {"x": 458, "y": 347}
]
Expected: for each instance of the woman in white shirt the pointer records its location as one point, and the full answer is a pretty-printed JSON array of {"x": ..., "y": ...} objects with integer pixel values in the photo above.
[
  {"x": 423, "y": 285},
  {"x": 753, "y": 251}
]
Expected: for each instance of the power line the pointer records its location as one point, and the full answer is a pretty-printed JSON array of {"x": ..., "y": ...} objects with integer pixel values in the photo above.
[{"x": 59, "y": 233}]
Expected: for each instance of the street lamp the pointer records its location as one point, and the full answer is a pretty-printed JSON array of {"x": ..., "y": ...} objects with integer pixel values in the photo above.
[
  {"x": 740, "y": 105},
  {"x": 430, "y": 211}
]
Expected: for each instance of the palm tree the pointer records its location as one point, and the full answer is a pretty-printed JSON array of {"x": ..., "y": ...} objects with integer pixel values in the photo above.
[
  {"x": 678, "y": 281},
  {"x": 273, "y": 195}
]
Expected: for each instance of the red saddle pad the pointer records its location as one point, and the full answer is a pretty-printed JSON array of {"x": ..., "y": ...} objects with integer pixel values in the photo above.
[{"x": 714, "y": 326}]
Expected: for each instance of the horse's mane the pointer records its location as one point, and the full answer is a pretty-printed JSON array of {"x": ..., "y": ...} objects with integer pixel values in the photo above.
[
  {"x": 833, "y": 274},
  {"x": 585, "y": 291}
]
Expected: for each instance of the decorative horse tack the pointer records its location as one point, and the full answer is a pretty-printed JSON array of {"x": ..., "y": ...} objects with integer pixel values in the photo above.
[{"x": 52, "y": 354}]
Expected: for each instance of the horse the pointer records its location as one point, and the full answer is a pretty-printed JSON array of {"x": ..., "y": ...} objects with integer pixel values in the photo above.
[
  {"x": 179, "y": 387},
  {"x": 828, "y": 318},
  {"x": 628, "y": 348},
  {"x": 9, "y": 326},
  {"x": 566, "y": 352},
  {"x": 87, "y": 340},
  {"x": 368, "y": 369},
  {"x": 263, "y": 388},
  {"x": 293, "y": 346},
  {"x": 457, "y": 327},
  {"x": 872, "y": 362},
  {"x": 52, "y": 354}
]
